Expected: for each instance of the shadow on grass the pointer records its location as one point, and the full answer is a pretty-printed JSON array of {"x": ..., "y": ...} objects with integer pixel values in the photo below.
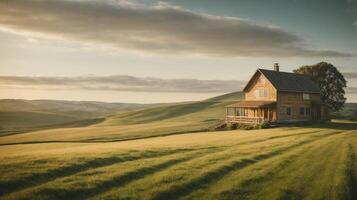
[
  {"x": 351, "y": 175},
  {"x": 106, "y": 140},
  {"x": 7, "y": 187},
  {"x": 115, "y": 182},
  {"x": 213, "y": 176},
  {"x": 330, "y": 125}
]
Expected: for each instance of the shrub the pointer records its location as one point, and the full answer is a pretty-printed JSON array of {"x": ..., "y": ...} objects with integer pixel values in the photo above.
[
  {"x": 241, "y": 126},
  {"x": 234, "y": 126}
]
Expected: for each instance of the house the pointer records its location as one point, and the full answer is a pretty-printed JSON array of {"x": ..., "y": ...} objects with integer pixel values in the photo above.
[{"x": 277, "y": 97}]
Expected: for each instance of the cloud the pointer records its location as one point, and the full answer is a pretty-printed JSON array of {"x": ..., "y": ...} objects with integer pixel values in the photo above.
[
  {"x": 120, "y": 83},
  {"x": 350, "y": 75},
  {"x": 155, "y": 29},
  {"x": 355, "y": 23}
]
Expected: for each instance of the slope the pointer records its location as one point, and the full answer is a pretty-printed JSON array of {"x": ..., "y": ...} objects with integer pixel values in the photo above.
[
  {"x": 17, "y": 115},
  {"x": 151, "y": 122}
]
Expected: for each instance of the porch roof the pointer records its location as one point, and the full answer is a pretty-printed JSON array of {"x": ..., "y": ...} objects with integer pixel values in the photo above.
[{"x": 253, "y": 104}]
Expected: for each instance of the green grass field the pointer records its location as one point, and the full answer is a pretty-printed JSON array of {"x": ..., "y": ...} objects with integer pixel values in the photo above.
[{"x": 154, "y": 154}]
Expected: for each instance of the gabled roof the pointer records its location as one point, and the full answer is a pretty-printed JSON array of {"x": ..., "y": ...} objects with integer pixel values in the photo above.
[{"x": 288, "y": 82}]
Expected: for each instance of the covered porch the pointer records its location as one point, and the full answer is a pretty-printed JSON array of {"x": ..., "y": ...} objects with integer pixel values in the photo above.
[{"x": 254, "y": 112}]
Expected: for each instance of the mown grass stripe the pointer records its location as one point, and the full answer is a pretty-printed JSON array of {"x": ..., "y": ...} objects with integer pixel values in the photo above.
[
  {"x": 233, "y": 152},
  {"x": 212, "y": 176},
  {"x": 7, "y": 187},
  {"x": 247, "y": 188},
  {"x": 216, "y": 157},
  {"x": 186, "y": 155},
  {"x": 85, "y": 193},
  {"x": 41, "y": 178},
  {"x": 351, "y": 174}
]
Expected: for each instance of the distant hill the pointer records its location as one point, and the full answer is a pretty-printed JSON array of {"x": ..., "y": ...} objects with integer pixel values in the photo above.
[
  {"x": 21, "y": 115},
  {"x": 86, "y": 109},
  {"x": 143, "y": 123},
  {"x": 210, "y": 110},
  {"x": 349, "y": 111}
]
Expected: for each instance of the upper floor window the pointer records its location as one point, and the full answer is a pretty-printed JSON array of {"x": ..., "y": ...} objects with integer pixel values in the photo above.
[
  {"x": 305, "y": 96},
  {"x": 261, "y": 93}
]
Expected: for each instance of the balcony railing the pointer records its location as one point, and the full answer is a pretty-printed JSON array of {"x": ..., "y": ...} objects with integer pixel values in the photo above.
[{"x": 245, "y": 119}]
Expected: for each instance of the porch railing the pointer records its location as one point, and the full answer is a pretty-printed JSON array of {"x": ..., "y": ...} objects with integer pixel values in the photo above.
[{"x": 245, "y": 119}]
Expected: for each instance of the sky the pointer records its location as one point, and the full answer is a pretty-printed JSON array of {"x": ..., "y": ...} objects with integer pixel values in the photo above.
[{"x": 149, "y": 51}]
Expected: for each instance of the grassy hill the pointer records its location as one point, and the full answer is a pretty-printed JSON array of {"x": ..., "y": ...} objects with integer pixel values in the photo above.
[
  {"x": 158, "y": 121},
  {"x": 18, "y": 115},
  {"x": 140, "y": 155},
  {"x": 349, "y": 111}
]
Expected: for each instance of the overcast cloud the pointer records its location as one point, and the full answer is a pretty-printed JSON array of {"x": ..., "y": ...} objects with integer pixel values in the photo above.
[
  {"x": 121, "y": 83},
  {"x": 156, "y": 29}
]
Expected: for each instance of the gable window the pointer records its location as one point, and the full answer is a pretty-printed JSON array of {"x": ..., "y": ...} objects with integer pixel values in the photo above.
[
  {"x": 305, "y": 96},
  {"x": 261, "y": 93},
  {"x": 302, "y": 111},
  {"x": 308, "y": 111},
  {"x": 288, "y": 111}
]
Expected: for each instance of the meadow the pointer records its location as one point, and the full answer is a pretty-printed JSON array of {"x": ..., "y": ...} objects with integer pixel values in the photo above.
[{"x": 171, "y": 152}]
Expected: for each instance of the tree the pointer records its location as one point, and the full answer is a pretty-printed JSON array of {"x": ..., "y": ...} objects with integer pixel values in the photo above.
[{"x": 330, "y": 81}]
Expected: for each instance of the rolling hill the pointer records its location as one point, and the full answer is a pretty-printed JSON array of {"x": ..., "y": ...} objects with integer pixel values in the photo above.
[
  {"x": 349, "y": 111},
  {"x": 150, "y": 122},
  {"x": 17, "y": 115},
  {"x": 140, "y": 155}
]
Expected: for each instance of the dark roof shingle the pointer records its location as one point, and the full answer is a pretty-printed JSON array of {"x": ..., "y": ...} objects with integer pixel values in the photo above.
[{"x": 290, "y": 82}]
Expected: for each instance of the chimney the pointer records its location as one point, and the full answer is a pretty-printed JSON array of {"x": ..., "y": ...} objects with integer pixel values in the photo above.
[{"x": 276, "y": 67}]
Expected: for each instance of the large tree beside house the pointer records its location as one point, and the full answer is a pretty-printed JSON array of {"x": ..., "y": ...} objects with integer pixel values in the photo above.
[{"x": 330, "y": 81}]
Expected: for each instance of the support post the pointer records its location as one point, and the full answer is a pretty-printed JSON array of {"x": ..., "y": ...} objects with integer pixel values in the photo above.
[{"x": 226, "y": 113}]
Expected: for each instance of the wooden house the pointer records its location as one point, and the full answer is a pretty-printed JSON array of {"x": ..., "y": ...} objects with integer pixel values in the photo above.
[{"x": 274, "y": 96}]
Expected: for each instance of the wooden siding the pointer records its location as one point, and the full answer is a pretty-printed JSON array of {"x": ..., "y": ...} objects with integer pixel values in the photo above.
[
  {"x": 264, "y": 84},
  {"x": 294, "y": 101}
]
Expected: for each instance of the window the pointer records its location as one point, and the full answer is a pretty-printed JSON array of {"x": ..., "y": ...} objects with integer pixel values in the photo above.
[
  {"x": 288, "y": 111},
  {"x": 305, "y": 96},
  {"x": 308, "y": 111},
  {"x": 302, "y": 111},
  {"x": 261, "y": 93},
  {"x": 241, "y": 112}
]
